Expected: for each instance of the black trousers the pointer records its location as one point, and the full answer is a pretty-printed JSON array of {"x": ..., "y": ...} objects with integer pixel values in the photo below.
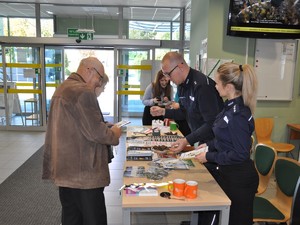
[
  {"x": 147, "y": 117},
  {"x": 83, "y": 206},
  {"x": 209, "y": 217},
  {"x": 240, "y": 183}
]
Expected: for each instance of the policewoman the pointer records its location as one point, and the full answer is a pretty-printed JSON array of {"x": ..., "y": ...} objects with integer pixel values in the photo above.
[{"x": 230, "y": 148}]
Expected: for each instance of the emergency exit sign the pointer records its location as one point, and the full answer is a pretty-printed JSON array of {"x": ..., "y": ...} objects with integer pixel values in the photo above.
[
  {"x": 72, "y": 32},
  {"x": 86, "y": 36}
]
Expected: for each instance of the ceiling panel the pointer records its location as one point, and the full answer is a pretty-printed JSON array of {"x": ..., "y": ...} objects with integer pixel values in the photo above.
[
  {"x": 171, "y": 13},
  {"x": 17, "y": 9},
  {"x": 76, "y": 8},
  {"x": 151, "y": 3}
]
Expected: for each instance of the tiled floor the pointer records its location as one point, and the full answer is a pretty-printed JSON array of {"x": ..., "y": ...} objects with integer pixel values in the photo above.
[{"x": 17, "y": 147}]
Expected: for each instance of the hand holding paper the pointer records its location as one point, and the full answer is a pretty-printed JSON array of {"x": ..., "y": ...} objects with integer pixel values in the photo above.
[{"x": 192, "y": 154}]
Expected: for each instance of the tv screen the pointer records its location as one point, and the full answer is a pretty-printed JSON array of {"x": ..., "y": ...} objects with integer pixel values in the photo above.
[{"x": 264, "y": 19}]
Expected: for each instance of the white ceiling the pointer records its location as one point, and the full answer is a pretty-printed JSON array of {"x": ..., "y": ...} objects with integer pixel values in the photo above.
[{"x": 134, "y": 9}]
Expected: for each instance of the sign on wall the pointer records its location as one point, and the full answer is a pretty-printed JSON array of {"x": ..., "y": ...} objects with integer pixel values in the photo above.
[{"x": 275, "y": 62}]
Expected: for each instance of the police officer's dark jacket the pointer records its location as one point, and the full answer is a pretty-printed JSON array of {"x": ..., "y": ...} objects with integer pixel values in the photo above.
[
  {"x": 233, "y": 129},
  {"x": 200, "y": 103}
]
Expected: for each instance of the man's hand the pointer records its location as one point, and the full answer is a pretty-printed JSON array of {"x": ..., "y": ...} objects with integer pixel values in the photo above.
[
  {"x": 109, "y": 124},
  {"x": 117, "y": 130},
  {"x": 157, "y": 111},
  {"x": 179, "y": 145},
  {"x": 175, "y": 105}
]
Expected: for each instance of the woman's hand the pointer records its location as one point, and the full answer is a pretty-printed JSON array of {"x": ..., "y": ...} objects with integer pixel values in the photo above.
[
  {"x": 166, "y": 99},
  {"x": 202, "y": 146},
  {"x": 156, "y": 100},
  {"x": 201, "y": 157}
]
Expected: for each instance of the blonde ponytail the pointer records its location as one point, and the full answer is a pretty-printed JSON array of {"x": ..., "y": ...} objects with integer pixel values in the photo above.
[{"x": 243, "y": 78}]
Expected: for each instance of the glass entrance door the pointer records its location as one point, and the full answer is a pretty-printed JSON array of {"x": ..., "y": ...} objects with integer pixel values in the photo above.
[
  {"x": 29, "y": 76},
  {"x": 54, "y": 71},
  {"x": 134, "y": 72},
  {"x": 72, "y": 58},
  {"x": 21, "y": 81}
]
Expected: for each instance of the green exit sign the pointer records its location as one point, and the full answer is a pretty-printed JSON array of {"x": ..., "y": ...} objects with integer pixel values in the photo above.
[
  {"x": 72, "y": 32},
  {"x": 86, "y": 36}
]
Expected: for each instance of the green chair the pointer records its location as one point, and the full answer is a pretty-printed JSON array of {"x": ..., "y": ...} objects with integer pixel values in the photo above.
[
  {"x": 278, "y": 209},
  {"x": 264, "y": 161}
]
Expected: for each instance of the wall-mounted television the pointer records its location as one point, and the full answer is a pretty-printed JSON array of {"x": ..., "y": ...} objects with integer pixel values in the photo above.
[{"x": 278, "y": 19}]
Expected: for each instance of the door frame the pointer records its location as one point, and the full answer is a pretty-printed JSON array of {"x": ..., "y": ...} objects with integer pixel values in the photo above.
[
  {"x": 40, "y": 91},
  {"x": 119, "y": 66}
]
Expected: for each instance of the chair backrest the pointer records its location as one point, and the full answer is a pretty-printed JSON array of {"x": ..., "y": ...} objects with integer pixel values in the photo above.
[
  {"x": 295, "y": 216},
  {"x": 264, "y": 160},
  {"x": 287, "y": 172},
  {"x": 263, "y": 129}
]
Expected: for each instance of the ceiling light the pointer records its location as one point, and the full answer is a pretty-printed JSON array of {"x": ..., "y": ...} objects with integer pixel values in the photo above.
[{"x": 85, "y": 31}]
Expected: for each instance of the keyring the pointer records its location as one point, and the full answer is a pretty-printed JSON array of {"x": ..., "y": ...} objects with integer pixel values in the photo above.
[{"x": 165, "y": 195}]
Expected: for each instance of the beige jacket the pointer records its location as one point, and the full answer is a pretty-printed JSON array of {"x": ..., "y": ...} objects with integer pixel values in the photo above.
[{"x": 75, "y": 151}]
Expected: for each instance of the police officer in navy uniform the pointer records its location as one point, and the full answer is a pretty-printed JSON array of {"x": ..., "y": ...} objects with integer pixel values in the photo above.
[
  {"x": 199, "y": 100},
  {"x": 230, "y": 148}
]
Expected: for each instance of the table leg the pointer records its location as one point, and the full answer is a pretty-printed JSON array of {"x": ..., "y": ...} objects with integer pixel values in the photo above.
[
  {"x": 126, "y": 216},
  {"x": 194, "y": 218},
  {"x": 224, "y": 216}
]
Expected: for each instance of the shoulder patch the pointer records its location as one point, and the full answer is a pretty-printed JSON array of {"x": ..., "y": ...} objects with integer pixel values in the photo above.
[
  {"x": 225, "y": 118},
  {"x": 236, "y": 109}
]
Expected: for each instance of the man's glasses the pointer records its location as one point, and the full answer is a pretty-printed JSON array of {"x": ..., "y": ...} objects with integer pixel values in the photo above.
[
  {"x": 100, "y": 76},
  {"x": 169, "y": 73}
]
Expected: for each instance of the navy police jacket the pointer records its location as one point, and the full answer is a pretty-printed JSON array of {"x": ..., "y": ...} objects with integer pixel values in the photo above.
[
  {"x": 232, "y": 129},
  {"x": 200, "y": 103}
]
